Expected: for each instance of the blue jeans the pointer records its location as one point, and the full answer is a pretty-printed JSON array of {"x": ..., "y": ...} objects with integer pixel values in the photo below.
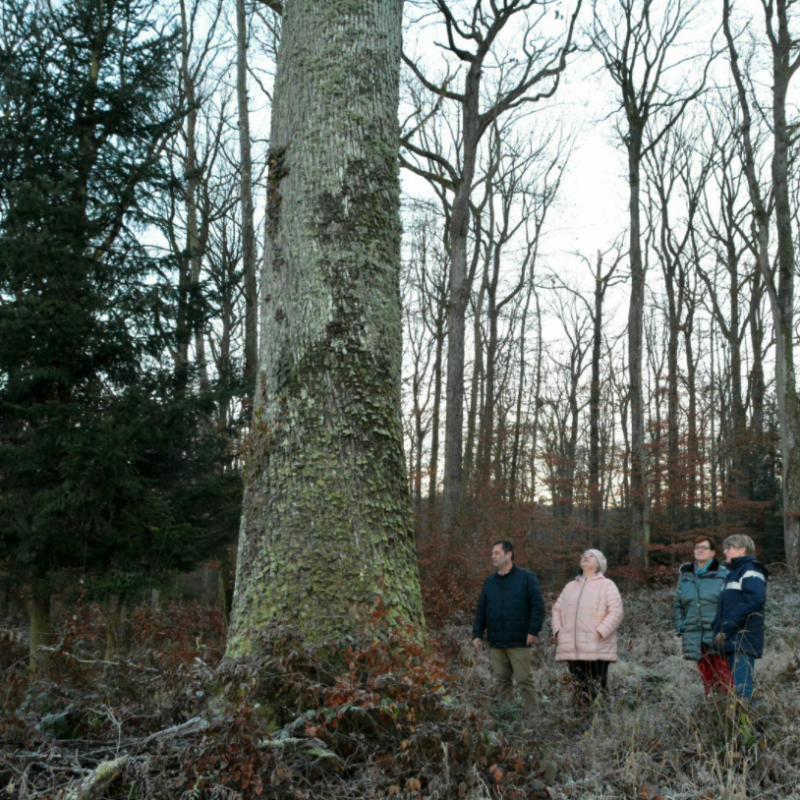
[{"x": 743, "y": 667}]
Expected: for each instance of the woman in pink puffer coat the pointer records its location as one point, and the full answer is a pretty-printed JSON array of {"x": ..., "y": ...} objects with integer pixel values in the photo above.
[{"x": 585, "y": 621}]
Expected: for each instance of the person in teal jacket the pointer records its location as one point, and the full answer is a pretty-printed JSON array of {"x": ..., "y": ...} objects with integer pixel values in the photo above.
[{"x": 696, "y": 596}]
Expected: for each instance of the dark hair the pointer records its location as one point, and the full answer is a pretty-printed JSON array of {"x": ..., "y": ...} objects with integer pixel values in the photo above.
[
  {"x": 709, "y": 539},
  {"x": 507, "y": 547}
]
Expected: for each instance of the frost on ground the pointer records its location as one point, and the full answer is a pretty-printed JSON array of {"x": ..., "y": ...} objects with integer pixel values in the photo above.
[{"x": 390, "y": 718}]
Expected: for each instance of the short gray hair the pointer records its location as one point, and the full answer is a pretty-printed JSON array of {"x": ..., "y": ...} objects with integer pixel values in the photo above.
[
  {"x": 602, "y": 564},
  {"x": 741, "y": 540}
]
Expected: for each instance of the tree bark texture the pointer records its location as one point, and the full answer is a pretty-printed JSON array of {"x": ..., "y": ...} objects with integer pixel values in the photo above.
[{"x": 327, "y": 525}]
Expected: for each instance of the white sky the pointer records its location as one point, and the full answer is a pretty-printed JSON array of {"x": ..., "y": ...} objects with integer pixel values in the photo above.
[{"x": 591, "y": 210}]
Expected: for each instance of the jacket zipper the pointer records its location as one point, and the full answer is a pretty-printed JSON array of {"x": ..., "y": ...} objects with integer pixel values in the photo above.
[
  {"x": 699, "y": 607},
  {"x": 577, "y": 606}
]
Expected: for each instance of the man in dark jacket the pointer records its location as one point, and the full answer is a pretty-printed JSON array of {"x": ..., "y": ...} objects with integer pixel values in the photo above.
[
  {"x": 739, "y": 624},
  {"x": 511, "y": 609}
]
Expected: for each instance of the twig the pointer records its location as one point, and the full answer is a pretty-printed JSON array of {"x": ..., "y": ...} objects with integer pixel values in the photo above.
[{"x": 193, "y": 725}]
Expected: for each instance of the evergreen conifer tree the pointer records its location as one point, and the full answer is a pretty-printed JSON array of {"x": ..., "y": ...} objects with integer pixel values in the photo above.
[{"x": 102, "y": 461}]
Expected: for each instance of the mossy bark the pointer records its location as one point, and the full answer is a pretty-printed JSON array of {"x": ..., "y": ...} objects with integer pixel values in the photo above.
[{"x": 327, "y": 526}]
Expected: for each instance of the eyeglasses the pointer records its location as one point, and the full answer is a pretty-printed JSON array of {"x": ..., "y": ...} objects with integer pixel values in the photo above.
[{"x": 702, "y": 547}]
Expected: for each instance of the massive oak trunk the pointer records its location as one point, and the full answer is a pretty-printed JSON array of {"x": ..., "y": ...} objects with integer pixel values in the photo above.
[{"x": 327, "y": 525}]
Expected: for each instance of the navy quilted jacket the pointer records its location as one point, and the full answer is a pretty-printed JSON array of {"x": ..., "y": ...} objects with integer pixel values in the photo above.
[
  {"x": 740, "y": 613},
  {"x": 510, "y": 607}
]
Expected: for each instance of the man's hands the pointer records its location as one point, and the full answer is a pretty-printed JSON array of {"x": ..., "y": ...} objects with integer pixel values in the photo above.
[
  {"x": 478, "y": 643},
  {"x": 719, "y": 639}
]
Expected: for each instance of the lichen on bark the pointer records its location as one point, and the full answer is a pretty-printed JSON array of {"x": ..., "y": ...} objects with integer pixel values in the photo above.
[{"x": 327, "y": 526}]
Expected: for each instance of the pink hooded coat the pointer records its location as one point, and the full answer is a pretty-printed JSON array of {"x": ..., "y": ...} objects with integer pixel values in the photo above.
[{"x": 586, "y": 617}]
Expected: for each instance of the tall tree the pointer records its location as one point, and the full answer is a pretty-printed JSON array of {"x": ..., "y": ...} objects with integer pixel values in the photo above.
[
  {"x": 785, "y": 62},
  {"x": 94, "y": 443},
  {"x": 603, "y": 279},
  {"x": 638, "y": 40},
  {"x": 474, "y": 34},
  {"x": 675, "y": 182},
  {"x": 327, "y": 526}
]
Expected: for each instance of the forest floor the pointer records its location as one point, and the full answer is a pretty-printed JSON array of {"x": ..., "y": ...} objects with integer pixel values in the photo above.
[{"x": 391, "y": 719}]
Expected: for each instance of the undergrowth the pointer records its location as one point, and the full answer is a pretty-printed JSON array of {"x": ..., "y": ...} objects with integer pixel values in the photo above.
[{"x": 383, "y": 716}]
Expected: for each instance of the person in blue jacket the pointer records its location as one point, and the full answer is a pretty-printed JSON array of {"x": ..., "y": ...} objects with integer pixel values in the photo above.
[
  {"x": 739, "y": 623},
  {"x": 511, "y": 610}
]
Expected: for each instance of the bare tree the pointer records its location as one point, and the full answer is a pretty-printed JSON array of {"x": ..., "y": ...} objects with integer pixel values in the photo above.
[
  {"x": 640, "y": 43},
  {"x": 197, "y": 69},
  {"x": 567, "y": 400},
  {"x": 675, "y": 181},
  {"x": 785, "y": 62},
  {"x": 604, "y": 278},
  {"x": 534, "y": 74},
  {"x": 421, "y": 348},
  {"x": 726, "y": 216},
  {"x": 522, "y": 190}
]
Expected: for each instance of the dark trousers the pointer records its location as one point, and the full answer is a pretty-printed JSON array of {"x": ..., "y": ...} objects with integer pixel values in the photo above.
[{"x": 591, "y": 677}]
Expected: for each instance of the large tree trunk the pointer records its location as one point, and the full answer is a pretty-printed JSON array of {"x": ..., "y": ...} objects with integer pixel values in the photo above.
[
  {"x": 246, "y": 188},
  {"x": 327, "y": 526},
  {"x": 640, "y": 504}
]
